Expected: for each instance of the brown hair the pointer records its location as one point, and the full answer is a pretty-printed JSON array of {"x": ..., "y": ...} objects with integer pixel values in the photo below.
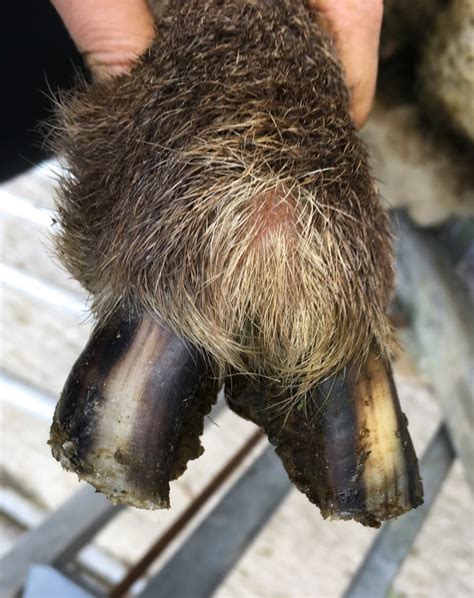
[{"x": 222, "y": 188}]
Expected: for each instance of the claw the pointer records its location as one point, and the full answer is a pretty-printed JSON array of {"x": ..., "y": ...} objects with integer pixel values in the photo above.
[
  {"x": 131, "y": 412},
  {"x": 347, "y": 448}
]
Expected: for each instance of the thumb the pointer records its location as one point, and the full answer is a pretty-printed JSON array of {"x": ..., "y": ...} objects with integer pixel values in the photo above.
[{"x": 110, "y": 34}]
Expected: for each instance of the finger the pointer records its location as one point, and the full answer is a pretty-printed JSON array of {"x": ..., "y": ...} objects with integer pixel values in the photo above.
[
  {"x": 110, "y": 34},
  {"x": 355, "y": 25}
]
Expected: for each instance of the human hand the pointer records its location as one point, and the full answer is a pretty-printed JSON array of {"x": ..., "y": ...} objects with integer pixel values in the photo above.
[
  {"x": 111, "y": 34},
  {"x": 355, "y": 26}
]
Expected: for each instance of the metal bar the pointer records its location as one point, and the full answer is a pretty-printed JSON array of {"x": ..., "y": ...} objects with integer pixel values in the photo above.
[
  {"x": 96, "y": 562},
  {"x": 42, "y": 291},
  {"x": 441, "y": 334},
  {"x": 394, "y": 541},
  {"x": 26, "y": 397},
  {"x": 46, "y": 581},
  {"x": 58, "y": 539},
  {"x": 199, "y": 566},
  {"x": 154, "y": 552}
]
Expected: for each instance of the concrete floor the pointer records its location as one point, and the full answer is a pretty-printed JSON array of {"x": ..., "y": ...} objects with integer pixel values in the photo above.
[{"x": 43, "y": 326}]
